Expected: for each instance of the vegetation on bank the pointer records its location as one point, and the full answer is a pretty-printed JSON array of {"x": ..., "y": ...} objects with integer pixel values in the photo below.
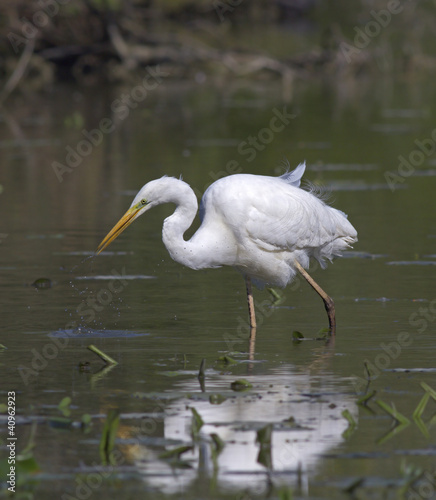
[{"x": 92, "y": 41}]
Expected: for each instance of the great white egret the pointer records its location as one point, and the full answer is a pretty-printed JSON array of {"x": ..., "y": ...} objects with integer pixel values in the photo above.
[{"x": 266, "y": 227}]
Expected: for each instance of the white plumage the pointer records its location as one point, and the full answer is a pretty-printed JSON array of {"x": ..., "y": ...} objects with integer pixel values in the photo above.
[{"x": 266, "y": 227}]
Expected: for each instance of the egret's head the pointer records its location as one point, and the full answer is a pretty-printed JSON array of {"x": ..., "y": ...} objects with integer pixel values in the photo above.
[
  {"x": 163, "y": 190},
  {"x": 147, "y": 198}
]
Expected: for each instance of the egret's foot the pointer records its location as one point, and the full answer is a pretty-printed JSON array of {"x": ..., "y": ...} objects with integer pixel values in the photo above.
[
  {"x": 328, "y": 301},
  {"x": 330, "y": 308}
]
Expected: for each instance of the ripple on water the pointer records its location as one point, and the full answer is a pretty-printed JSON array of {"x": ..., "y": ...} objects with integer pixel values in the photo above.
[
  {"x": 89, "y": 333},
  {"x": 104, "y": 277},
  {"x": 412, "y": 263}
]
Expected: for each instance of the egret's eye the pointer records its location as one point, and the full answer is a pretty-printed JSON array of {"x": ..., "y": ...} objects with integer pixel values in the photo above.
[{"x": 143, "y": 202}]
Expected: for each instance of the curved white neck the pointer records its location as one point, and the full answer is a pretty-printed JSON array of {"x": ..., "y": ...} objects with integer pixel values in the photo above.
[{"x": 175, "y": 226}]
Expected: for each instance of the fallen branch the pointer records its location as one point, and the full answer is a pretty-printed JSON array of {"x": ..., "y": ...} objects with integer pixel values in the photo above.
[{"x": 19, "y": 71}]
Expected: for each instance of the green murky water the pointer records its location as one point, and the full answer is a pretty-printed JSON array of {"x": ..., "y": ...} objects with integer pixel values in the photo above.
[{"x": 158, "y": 320}]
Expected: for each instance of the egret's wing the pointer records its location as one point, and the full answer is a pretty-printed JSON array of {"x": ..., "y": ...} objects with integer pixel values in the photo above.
[
  {"x": 271, "y": 213},
  {"x": 291, "y": 219}
]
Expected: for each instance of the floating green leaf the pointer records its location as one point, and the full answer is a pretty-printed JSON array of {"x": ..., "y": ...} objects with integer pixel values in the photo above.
[
  {"x": 216, "y": 399},
  {"x": 227, "y": 360},
  {"x": 202, "y": 368},
  {"x": 325, "y": 331},
  {"x": 421, "y": 426},
  {"x": 351, "y": 424},
  {"x": 277, "y": 297},
  {"x": 285, "y": 494},
  {"x": 109, "y": 433},
  {"x": 411, "y": 474},
  {"x": 393, "y": 412},
  {"x": 218, "y": 443},
  {"x": 429, "y": 389},
  {"x": 196, "y": 424},
  {"x": 86, "y": 422},
  {"x": 263, "y": 436},
  {"x": 175, "y": 452},
  {"x": 363, "y": 401},
  {"x": 297, "y": 335},
  {"x": 107, "y": 359},
  {"x": 64, "y": 406},
  {"x": 419, "y": 410},
  {"x": 290, "y": 422},
  {"x": 241, "y": 385},
  {"x": 216, "y": 447},
  {"x": 395, "y": 430}
]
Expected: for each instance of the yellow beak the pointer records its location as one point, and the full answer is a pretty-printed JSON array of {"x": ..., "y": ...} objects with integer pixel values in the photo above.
[{"x": 119, "y": 227}]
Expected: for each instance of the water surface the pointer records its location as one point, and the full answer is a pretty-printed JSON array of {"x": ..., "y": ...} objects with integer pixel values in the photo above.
[{"x": 158, "y": 320}]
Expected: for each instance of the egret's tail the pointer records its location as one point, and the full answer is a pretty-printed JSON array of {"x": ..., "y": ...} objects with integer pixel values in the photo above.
[{"x": 345, "y": 235}]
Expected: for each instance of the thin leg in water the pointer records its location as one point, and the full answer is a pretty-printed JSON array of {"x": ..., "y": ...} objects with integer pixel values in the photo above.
[
  {"x": 252, "y": 315},
  {"x": 328, "y": 301},
  {"x": 250, "y": 301}
]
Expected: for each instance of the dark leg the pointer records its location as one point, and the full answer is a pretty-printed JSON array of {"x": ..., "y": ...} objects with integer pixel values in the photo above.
[{"x": 328, "y": 301}]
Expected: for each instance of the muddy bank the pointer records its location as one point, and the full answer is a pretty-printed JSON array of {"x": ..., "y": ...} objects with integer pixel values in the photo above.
[{"x": 96, "y": 41}]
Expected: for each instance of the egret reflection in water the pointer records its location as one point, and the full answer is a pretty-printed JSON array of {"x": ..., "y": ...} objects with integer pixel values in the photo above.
[{"x": 305, "y": 412}]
